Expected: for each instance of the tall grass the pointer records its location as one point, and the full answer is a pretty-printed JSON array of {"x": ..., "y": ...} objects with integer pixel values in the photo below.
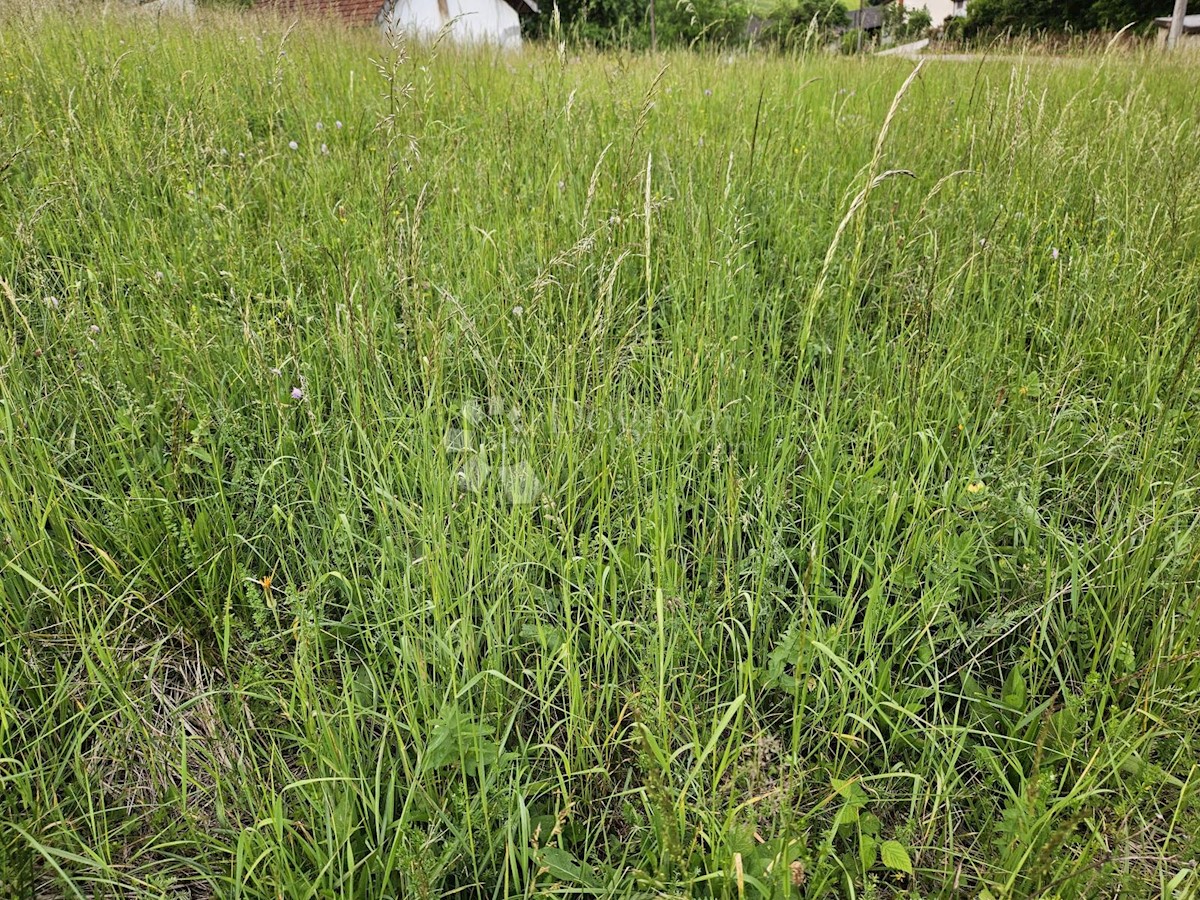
[{"x": 480, "y": 475}]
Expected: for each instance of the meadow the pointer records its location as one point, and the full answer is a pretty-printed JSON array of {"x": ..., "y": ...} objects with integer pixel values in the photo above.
[{"x": 427, "y": 473}]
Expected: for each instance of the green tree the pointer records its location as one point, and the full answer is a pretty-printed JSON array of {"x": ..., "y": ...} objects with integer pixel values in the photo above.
[
  {"x": 605, "y": 23},
  {"x": 985, "y": 16},
  {"x": 598, "y": 22},
  {"x": 795, "y": 20},
  {"x": 903, "y": 23},
  {"x": 917, "y": 23},
  {"x": 686, "y": 21}
]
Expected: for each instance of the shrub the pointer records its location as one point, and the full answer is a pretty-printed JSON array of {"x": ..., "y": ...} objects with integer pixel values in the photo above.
[
  {"x": 855, "y": 41},
  {"x": 806, "y": 23},
  {"x": 626, "y": 23}
]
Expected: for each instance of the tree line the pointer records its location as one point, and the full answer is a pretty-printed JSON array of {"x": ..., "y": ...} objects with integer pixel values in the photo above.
[
  {"x": 1058, "y": 16},
  {"x": 635, "y": 23}
]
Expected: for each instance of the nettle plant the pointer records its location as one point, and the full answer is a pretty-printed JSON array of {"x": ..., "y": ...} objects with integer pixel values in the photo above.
[
  {"x": 857, "y": 848},
  {"x": 860, "y": 835}
]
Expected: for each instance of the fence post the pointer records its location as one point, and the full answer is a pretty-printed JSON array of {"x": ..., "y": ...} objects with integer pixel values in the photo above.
[{"x": 1176, "y": 23}]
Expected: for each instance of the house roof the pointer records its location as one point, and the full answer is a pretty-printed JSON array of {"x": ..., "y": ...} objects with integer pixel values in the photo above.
[
  {"x": 868, "y": 18},
  {"x": 1191, "y": 24},
  {"x": 355, "y": 12}
]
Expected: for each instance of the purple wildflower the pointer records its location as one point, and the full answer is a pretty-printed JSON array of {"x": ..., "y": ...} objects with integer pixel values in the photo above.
[{"x": 297, "y": 394}]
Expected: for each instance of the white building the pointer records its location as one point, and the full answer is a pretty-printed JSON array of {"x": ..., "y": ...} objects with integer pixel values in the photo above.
[
  {"x": 496, "y": 22},
  {"x": 940, "y": 11}
]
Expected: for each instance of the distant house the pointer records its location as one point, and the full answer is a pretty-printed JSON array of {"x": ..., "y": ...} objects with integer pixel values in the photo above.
[
  {"x": 1191, "y": 30},
  {"x": 496, "y": 22},
  {"x": 940, "y": 11},
  {"x": 871, "y": 18},
  {"x": 867, "y": 18}
]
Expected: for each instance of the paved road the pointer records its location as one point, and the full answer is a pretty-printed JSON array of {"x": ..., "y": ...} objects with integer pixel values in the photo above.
[{"x": 912, "y": 49}]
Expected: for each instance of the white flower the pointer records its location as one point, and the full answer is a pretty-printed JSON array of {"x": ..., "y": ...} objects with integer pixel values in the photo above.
[
  {"x": 337, "y": 124},
  {"x": 293, "y": 145},
  {"x": 320, "y": 126},
  {"x": 518, "y": 311},
  {"x": 324, "y": 150}
]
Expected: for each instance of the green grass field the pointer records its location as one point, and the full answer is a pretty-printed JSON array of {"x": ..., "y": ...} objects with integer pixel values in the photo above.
[{"x": 573, "y": 475}]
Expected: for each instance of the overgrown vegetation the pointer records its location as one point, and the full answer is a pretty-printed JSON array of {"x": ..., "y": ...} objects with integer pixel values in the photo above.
[
  {"x": 627, "y": 23},
  {"x": 803, "y": 24},
  {"x": 485, "y": 475},
  {"x": 989, "y": 18}
]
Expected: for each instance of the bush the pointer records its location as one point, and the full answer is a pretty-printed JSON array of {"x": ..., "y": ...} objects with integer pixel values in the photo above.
[
  {"x": 954, "y": 29},
  {"x": 806, "y": 22},
  {"x": 917, "y": 24},
  {"x": 1040, "y": 16},
  {"x": 710, "y": 21},
  {"x": 855, "y": 41},
  {"x": 902, "y": 25},
  {"x": 626, "y": 23}
]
